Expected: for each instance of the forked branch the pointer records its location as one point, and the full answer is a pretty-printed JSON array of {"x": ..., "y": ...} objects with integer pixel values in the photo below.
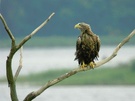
[
  {"x": 34, "y": 94},
  {"x": 14, "y": 49}
]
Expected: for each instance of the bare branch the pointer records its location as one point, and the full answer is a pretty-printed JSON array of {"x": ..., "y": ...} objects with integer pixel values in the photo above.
[
  {"x": 35, "y": 31},
  {"x": 8, "y": 30},
  {"x": 116, "y": 49},
  {"x": 34, "y": 94},
  {"x": 14, "y": 48},
  {"x": 9, "y": 72},
  {"x": 20, "y": 65}
]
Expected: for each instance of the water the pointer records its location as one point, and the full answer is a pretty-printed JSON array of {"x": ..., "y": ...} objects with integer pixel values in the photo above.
[
  {"x": 74, "y": 93},
  {"x": 39, "y": 59}
]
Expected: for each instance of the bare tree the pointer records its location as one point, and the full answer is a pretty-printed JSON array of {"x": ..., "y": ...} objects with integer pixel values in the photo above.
[{"x": 15, "y": 47}]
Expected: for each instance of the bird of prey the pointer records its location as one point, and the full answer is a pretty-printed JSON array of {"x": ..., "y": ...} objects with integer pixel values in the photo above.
[{"x": 87, "y": 46}]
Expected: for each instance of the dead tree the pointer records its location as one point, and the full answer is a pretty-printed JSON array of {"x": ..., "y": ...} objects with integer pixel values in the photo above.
[{"x": 15, "y": 47}]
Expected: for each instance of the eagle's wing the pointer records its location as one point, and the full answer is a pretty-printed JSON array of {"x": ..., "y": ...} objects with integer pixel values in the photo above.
[
  {"x": 78, "y": 42},
  {"x": 97, "y": 44}
]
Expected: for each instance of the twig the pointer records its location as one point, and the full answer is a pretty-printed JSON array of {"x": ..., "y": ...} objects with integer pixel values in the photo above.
[
  {"x": 35, "y": 31},
  {"x": 20, "y": 64},
  {"x": 34, "y": 94},
  {"x": 8, "y": 30}
]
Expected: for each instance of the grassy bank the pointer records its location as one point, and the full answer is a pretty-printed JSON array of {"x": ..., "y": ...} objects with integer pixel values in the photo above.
[{"x": 121, "y": 75}]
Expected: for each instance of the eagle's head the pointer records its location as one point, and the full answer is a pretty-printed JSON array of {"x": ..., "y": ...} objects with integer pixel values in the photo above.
[{"x": 83, "y": 26}]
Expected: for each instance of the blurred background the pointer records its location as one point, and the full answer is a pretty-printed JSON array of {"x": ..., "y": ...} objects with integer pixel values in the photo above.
[{"x": 50, "y": 52}]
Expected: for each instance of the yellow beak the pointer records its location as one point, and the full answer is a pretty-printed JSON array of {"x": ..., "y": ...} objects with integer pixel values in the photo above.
[{"x": 77, "y": 26}]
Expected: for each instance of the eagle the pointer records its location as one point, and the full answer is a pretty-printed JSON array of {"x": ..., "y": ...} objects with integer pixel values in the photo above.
[{"x": 87, "y": 46}]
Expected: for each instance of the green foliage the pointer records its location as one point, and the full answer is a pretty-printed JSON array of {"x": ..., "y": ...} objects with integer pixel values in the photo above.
[
  {"x": 55, "y": 41},
  {"x": 107, "y": 17},
  {"x": 107, "y": 76},
  {"x": 133, "y": 65},
  {"x": 42, "y": 77},
  {"x": 121, "y": 75}
]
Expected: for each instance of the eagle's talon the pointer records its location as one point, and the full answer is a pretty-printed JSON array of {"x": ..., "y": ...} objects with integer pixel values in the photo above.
[
  {"x": 92, "y": 65},
  {"x": 83, "y": 65}
]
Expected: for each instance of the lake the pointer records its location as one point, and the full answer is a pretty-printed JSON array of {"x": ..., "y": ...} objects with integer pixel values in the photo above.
[
  {"x": 39, "y": 59},
  {"x": 74, "y": 93}
]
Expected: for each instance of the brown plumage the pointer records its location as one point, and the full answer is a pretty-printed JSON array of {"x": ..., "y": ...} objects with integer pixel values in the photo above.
[{"x": 87, "y": 46}]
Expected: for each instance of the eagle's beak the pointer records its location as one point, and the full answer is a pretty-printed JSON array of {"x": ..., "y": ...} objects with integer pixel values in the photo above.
[{"x": 77, "y": 26}]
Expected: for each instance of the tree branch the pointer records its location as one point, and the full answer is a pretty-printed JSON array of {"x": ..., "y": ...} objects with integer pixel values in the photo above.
[
  {"x": 9, "y": 72},
  {"x": 34, "y": 94},
  {"x": 35, "y": 31},
  {"x": 20, "y": 65},
  {"x": 14, "y": 48},
  {"x": 8, "y": 30},
  {"x": 116, "y": 49},
  {"x": 26, "y": 39}
]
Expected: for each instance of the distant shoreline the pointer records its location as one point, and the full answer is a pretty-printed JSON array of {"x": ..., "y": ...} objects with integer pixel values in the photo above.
[
  {"x": 121, "y": 75},
  {"x": 61, "y": 41}
]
